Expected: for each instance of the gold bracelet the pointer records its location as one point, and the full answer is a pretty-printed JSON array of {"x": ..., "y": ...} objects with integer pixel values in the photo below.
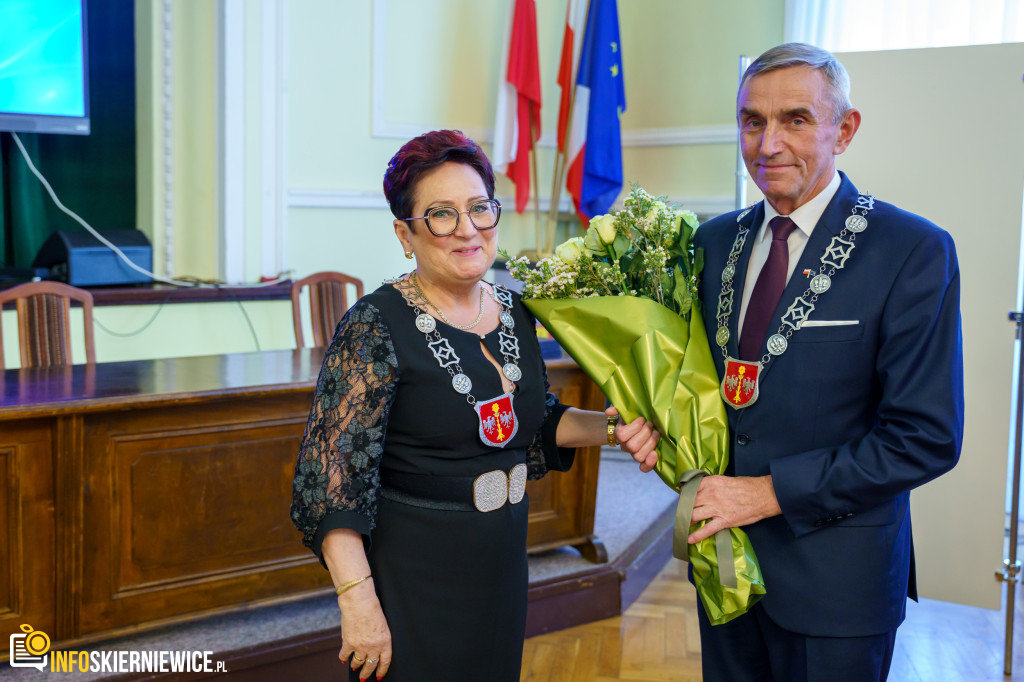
[
  {"x": 342, "y": 589},
  {"x": 612, "y": 440}
]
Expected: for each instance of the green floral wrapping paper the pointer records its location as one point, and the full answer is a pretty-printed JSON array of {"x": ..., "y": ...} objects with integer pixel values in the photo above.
[{"x": 651, "y": 362}]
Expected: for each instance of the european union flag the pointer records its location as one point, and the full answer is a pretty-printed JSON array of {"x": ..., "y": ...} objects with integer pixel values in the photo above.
[{"x": 601, "y": 72}]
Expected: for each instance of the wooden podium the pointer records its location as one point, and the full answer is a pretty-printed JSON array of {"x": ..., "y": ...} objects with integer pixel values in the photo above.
[
  {"x": 562, "y": 505},
  {"x": 138, "y": 494}
]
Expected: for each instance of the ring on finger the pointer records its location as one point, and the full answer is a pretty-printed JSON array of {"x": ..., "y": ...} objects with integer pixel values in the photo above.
[
  {"x": 357, "y": 659},
  {"x": 371, "y": 661}
]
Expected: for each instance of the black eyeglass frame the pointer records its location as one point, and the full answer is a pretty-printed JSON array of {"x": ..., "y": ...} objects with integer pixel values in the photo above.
[{"x": 458, "y": 217}]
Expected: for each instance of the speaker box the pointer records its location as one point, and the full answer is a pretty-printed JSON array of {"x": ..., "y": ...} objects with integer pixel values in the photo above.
[{"x": 81, "y": 260}]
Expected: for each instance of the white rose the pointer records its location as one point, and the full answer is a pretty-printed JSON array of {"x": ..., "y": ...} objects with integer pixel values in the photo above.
[
  {"x": 593, "y": 244},
  {"x": 673, "y": 232},
  {"x": 570, "y": 251},
  {"x": 604, "y": 225},
  {"x": 690, "y": 217}
]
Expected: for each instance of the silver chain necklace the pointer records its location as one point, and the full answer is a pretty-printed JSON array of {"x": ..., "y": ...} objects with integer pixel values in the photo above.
[
  {"x": 740, "y": 385},
  {"x": 498, "y": 421},
  {"x": 464, "y": 327}
]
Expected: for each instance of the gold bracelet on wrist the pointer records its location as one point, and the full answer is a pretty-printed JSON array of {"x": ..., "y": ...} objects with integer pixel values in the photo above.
[
  {"x": 342, "y": 589},
  {"x": 612, "y": 440}
]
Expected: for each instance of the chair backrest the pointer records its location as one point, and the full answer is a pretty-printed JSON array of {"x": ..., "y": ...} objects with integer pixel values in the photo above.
[
  {"x": 44, "y": 322},
  {"x": 328, "y": 301}
]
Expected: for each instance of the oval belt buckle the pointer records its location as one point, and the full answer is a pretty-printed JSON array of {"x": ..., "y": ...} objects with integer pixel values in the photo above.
[
  {"x": 517, "y": 484},
  {"x": 490, "y": 490}
]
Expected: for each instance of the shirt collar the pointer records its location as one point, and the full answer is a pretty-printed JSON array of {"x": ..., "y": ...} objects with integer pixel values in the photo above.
[{"x": 807, "y": 215}]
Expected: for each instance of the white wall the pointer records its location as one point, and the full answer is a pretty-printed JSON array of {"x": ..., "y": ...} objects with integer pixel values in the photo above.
[
  {"x": 364, "y": 77},
  {"x": 941, "y": 137},
  {"x": 143, "y": 332}
]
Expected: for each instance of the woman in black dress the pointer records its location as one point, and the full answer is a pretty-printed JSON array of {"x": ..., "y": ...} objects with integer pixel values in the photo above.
[{"x": 430, "y": 413}]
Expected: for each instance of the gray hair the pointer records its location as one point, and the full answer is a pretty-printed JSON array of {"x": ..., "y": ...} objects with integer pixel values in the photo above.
[{"x": 801, "y": 54}]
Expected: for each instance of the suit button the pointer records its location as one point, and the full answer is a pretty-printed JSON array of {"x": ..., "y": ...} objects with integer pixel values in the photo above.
[{"x": 742, "y": 439}]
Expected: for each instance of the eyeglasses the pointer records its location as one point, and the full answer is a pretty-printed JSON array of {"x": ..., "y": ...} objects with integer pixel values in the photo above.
[{"x": 444, "y": 220}]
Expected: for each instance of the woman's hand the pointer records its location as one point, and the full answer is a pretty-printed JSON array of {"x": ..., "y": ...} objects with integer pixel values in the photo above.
[
  {"x": 365, "y": 636},
  {"x": 638, "y": 438}
]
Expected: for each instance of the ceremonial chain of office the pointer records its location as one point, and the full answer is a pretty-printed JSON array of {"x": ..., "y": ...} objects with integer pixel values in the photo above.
[
  {"x": 832, "y": 261},
  {"x": 449, "y": 360}
]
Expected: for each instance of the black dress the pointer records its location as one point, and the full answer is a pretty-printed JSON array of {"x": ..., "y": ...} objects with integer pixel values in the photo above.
[{"x": 390, "y": 448}]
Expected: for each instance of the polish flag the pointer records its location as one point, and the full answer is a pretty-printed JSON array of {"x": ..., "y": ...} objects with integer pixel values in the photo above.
[
  {"x": 594, "y": 178},
  {"x": 572, "y": 41},
  {"x": 518, "y": 99}
]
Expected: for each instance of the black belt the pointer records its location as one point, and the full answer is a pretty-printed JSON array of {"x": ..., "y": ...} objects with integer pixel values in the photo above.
[{"x": 486, "y": 492}]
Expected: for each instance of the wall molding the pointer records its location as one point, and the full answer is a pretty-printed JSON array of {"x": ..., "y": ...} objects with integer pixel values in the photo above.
[
  {"x": 231, "y": 138},
  {"x": 300, "y": 198},
  {"x": 166, "y": 172},
  {"x": 682, "y": 135},
  {"x": 273, "y": 225},
  {"x": 381, "y": 127},
  {"x": 236, "y": 172}
]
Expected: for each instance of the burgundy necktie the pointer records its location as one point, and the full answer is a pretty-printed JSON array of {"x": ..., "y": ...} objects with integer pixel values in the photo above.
[{"x": 767, "y": 291}]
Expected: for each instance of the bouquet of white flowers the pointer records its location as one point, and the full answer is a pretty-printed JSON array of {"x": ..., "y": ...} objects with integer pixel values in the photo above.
[{"x": 621, "y": 302}]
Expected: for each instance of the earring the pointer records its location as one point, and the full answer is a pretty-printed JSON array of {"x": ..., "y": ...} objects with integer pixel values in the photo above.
[{"x": 408, "y": 254}]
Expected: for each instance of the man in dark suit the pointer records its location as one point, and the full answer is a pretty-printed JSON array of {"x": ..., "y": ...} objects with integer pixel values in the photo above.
[{"x": 834, "y": 318}]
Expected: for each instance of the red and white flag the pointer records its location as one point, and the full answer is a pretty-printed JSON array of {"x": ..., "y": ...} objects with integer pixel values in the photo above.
[
  {"x": 518, "y": 99},
  {"x": 573, "y": 140},
  {"x": 572, "y": 40}
]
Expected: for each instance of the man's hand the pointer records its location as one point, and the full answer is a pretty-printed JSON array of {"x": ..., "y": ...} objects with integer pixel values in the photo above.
[{"x": 732, "y": 501}]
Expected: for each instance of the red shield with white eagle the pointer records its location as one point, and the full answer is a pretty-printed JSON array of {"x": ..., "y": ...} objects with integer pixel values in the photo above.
[
  {"x": 498, "y": 423},
  {"x": 739, "y": 385}
]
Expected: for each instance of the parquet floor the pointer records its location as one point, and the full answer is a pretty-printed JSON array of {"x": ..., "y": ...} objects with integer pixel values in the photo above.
[{"x": 657, "y": 640}]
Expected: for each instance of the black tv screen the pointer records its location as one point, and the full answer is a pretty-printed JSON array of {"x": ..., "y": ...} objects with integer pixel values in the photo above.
[{"x": 44, "y": 66}]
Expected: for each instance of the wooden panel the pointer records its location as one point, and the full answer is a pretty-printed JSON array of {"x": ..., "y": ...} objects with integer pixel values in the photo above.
[
  {"x": 187, "y": 511},
  {"x": 562, "y": 504},
  {"x": 141, "y": 493},
  {"x": 68, "y": 439},
  {"x": 9, "y": 522},
  {"x": 26, "y": 529},
  {"x": 235, "y": 475}
]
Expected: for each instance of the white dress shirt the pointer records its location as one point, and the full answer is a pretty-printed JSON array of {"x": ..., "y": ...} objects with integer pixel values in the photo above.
[{"x": 805, "y": 217}]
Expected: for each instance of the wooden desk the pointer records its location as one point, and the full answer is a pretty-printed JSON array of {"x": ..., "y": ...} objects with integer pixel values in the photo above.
[{"x": 140, "y": 493}]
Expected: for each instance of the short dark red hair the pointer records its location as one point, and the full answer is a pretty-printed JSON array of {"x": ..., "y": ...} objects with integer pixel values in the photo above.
[{"x": 428, "y": 151}]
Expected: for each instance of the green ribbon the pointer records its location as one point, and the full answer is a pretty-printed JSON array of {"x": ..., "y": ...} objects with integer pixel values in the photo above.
[{"x": 688, "y": 486}]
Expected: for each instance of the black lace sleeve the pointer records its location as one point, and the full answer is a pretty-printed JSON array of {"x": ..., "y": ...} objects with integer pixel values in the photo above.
[{"x": 337, "y": 472}]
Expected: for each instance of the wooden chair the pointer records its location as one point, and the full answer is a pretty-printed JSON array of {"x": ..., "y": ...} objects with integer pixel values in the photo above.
[
  {"x": 328, "y": 301},
  {"x": 44, "y": 323}
]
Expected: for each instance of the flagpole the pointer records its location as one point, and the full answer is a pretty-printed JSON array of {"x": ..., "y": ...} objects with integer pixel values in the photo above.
[
  {"x": 536, "y": 177},
  {"x": 556, "y": 193}
]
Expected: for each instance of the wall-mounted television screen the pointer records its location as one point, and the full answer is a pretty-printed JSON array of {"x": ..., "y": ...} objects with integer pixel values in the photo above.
[{"x": 44, "y": 71}]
